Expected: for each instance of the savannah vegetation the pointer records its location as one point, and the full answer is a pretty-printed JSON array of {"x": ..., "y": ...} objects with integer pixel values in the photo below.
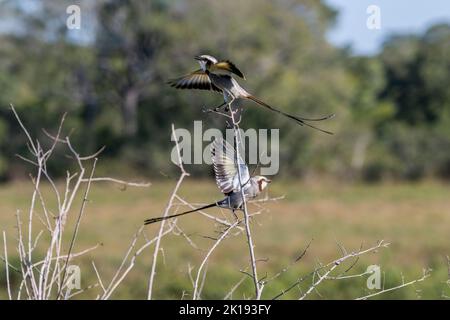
[{"x": 383, "y": 175}]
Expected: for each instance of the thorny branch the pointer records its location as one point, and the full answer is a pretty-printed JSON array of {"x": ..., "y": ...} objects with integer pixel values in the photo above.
[
  {"x": 238, "y": 142},
  {"x": 166, "y": 213},
  {"x": 44, "y": 278}
]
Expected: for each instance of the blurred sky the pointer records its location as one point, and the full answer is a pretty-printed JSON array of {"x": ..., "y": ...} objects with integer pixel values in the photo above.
[{"x": 399, "y": 16}]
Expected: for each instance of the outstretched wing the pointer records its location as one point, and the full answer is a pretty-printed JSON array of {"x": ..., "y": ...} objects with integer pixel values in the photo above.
[
  {"x": 228, "y": 66},
  {"x": 194, "y": 80},
  {"x": 225, "y": 167}
]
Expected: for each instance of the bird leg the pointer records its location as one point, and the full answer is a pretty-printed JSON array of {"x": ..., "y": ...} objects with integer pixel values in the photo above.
[
  {"x": 216, "y": 109},
  {"x": 220, "y": 106},
  {"x": 235, "y": 215}
]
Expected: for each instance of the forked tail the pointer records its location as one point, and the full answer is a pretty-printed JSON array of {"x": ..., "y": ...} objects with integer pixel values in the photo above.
[
  {"x": 154, "y": 220},
  {"x": 301, "y": 121}
]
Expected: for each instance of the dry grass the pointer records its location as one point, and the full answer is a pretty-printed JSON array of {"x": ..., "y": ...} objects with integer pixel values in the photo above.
[{"x": 414, "y": 218}]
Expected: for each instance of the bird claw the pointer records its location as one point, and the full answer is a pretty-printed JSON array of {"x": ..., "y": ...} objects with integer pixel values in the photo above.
[{"x": 206, "y": 110}]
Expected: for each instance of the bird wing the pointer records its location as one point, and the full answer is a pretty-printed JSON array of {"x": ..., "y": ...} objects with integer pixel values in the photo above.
[
  {"x": 227, "y": 65},
  {"x": 194, "y": 80},
  {"x": 225, "y": 167}
]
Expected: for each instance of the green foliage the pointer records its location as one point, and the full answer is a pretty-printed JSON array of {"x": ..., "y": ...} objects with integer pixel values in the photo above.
[
  {"x": 388, "y": 107},
  {"x": 417, "y": 75}
]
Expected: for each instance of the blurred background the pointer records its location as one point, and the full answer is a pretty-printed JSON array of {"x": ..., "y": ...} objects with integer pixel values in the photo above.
[
  {"x": 382, "y": 175},
  {"x": 389, "y": 90}
]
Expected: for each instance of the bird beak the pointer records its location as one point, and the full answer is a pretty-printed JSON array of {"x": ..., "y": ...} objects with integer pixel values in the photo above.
[
  {"x": 269, "y": 181},
  {"x": 198, "y": 58}
]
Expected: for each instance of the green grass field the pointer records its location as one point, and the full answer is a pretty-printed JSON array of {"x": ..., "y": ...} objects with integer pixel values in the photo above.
[{"x": 414, "y": 218}]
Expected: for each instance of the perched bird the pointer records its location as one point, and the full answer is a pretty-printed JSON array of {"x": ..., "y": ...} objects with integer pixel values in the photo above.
[
  {"x": 217, "y": 76},
  {"x": 227, "y": 178}
]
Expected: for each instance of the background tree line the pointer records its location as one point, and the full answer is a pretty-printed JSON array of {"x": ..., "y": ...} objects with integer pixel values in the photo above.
[{"x": 392, "y": 110}]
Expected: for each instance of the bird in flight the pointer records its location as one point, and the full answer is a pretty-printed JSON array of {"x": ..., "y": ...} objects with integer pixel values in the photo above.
[
  {"x": 227, "y": 178},
  {"x": 216, "y": 75}
]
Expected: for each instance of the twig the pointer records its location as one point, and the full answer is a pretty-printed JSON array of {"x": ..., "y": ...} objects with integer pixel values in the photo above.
[
  {"x": 73, "y": 255},
  {"x": 333, "y": 264},
  {"x": 238, "y": 142},
  {"x": 122, "y": 182},
  {"x": 30, "y": 140},
  {"x": 196, "y": 294},
  {"x": 82, "y": 290},
  {"x": 425, "y": 275},
  {"x": 285, "y": 269},
  {"x": 336, "y": 264},
  {"x": 267, "y": 199},
  {"x": 10, "y": 265},
  {"x": 166, "y": 212},
  {"x": 77, "y": 225},
  {"x": 8, "y": 284},
  {"x": 23, "y": 261},
  {"x": 98, "y": 277},
  {"x": 234, "y": 288},
  {"x": 180, "y": 231},
  {"x": 42, "y": 278},
  {"x": 115, "y": 283}
]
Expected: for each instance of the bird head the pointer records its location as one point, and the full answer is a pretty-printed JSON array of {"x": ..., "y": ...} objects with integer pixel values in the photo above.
[
  {"x": 205, "y": 61},
  {"x": 262, "y": 182}
]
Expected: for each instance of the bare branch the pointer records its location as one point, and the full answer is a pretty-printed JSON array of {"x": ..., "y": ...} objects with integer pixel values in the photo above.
[
  {"x": 197, "y": 291},
  {"x": 329, "y": 267},
  {"x": 285, "y": 269},
  {"x": 425, "y": 275},
  {"x": 166, "y": 212},
  {"x": 30, "y": 140},
  {"x": 75, "y": 233},
  {"x": 122, "y": 182},
  {"x": 229, "y": 295},
  {"x": 8, "y": 284},
  {"x": 238, "y": 142},
  {"x": 98, "y": 277}
]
